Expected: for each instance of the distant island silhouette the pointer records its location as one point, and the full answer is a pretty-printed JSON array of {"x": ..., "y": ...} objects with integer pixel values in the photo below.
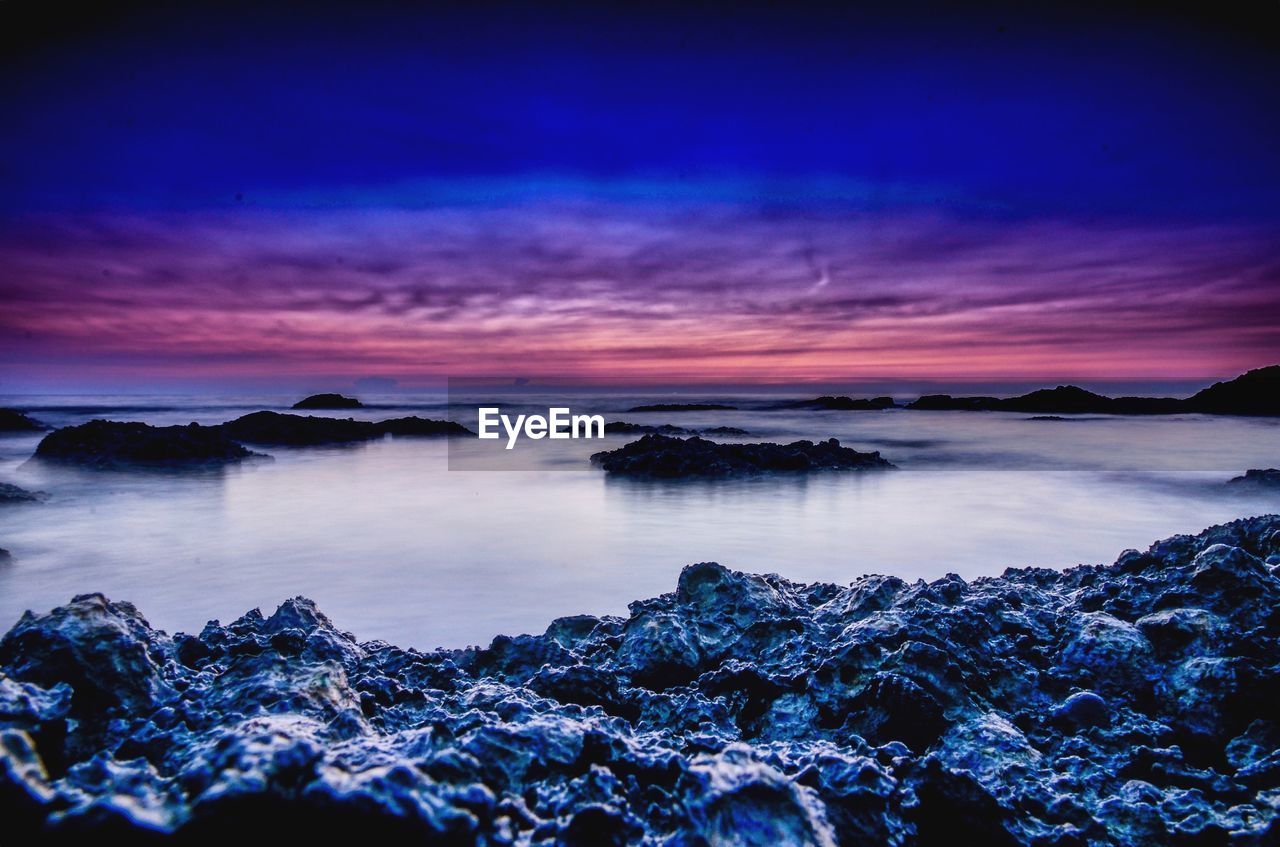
[{"x": 1254, "y": 393}]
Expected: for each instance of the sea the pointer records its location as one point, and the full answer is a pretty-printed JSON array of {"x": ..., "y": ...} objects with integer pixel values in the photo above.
[{"x": 426, "y": 543}]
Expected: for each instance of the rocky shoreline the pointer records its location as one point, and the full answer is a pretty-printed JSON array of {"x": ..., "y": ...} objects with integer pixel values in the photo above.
[{"x": 1129, "y": 704}]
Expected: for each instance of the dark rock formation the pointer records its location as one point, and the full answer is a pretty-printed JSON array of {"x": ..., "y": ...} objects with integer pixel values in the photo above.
[
  {"x": 682, "y": 407},
  {"x": 1131, "y": 704},
  {"x": 113, "y": 444},
  {"x": 11, "y": 420},
  {"x": 14, "y": 494},
  {"x": 1255, "y": 393},
  {"x": 5, "y": 555},
  {"x": 328, "y": 401},
  {"x": 827, "y": 402},
  {"x": 725, "y": 431},
  {"x": 276, "y": 428},
  {"x": 416, "y": 426},
  {"x": 672, "y": 458},
  {"x": 1258, "y": 478}
]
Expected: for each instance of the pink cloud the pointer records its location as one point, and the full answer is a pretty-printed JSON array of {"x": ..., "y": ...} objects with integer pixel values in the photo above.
[{"x": 626, "y": 290}]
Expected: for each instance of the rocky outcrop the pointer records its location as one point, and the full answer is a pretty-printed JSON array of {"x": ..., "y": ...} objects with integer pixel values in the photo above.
[
  {"x": 328, "y": 401},
  {"x": 11, "y": 420},
  {"x": 14, "y": 494},
  {"x": 421, "y": 427},
  {"x": 1254, "y": 393},
  {"x": 1258, "y": 478},
  {"x": 284, "y": 430},
  {"x": 660, "y": 456},
  {"x": 115, "y": 444},
  {"x": 1130, "y": 704},
  {"x": 279, "y": 429},
  {"x": 682, "y": 407}
]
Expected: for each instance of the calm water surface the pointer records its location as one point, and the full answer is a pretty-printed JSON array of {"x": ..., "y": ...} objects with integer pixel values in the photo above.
[{"x": 394, "y": 545}]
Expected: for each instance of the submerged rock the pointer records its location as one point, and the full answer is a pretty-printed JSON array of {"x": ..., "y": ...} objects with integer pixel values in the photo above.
[
  {"x": 114, "y": 444},
  {"x": 14, "y": 494},
  {"x": 328, "y": 401},
  {"x": 1131, "y": 704},
  {"x": 672, "y": 458},
  {"x": 11, "y": 420}
]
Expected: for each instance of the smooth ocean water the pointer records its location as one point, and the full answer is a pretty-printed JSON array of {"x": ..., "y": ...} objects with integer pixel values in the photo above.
[{"x": 394, "y": 545}]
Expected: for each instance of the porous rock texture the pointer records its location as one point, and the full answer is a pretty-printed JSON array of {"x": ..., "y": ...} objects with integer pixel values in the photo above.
[
  {"x": 1131, "y": 704},
  {"x": 664, "y": 457}
]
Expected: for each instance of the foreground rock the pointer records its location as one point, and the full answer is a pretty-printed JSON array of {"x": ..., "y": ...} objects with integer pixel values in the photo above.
[
  {"x": 15, "y": 494},
  {"x": 11, "y": 420},
  {"x": 664, "y": 457},
  {"x": 328, "y": 401},
  {"x": 1132, "y": 704},
  {"x": 114, "y": 444},
  {"x": 1258, "y": 478},
  {"x": 1254, "y": 393}
]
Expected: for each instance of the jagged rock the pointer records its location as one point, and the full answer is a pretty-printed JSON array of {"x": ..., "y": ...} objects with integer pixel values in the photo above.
[
  {"x": 1258, "y": 478},
  {"x": 1131, "y": 704},
  {"x": 672, "y": 458},
  {"x": 112, "y": 444},
  {"x": 11, "y": 420},
  {"x": 328, "y": 401},
  {"x": 14, "y": 494}
]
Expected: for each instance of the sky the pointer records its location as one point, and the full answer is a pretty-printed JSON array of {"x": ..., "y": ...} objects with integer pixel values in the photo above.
[{"x": 202, "y": 197}]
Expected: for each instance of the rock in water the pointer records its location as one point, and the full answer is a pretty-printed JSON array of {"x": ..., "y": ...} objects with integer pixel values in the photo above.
[
  {"x": 11, "y": 420},
  {"x": 275, "y": 428},
  {"x": 328, "y": 401},
  {"x": 660, "y": 456},
  {"x": 1131, "y": 704},
  {"x": 1258, "y": 478},
  {"x": 14, "y": 494},
  {"x": 415, "y": 426},
  {"x": 112, "y": 444}
]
